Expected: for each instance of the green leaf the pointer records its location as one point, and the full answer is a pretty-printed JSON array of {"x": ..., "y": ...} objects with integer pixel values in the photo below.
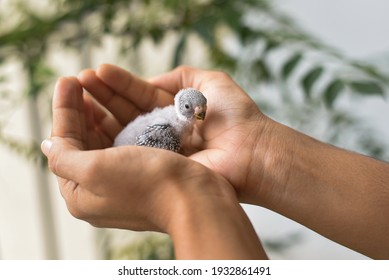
[
  {"x": 232, "y": 16},
  {"x": 222, "y": 59},
  {"x": 290, "y": 65},
  {"x": 261, "y": 70},
  {"x": 310, "y": 78},
  {"x": 367, "y": 87},
  {"x": 246, "y": 34},
  {"x": 156, "y": 33},
  {"x": 271, "y": 45},
  {"x": 205, "y": 28},
  {"x": 371, "y": 71},
  {"x": 332, "y": 91},
  {"x": 179, "y": 51}
]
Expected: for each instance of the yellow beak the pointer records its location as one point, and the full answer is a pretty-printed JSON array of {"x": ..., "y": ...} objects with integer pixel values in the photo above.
[{"x": 200, "y": 112}]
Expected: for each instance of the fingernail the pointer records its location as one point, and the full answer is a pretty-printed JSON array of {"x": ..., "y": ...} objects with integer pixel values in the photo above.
[{"x": 46, "y": 146}]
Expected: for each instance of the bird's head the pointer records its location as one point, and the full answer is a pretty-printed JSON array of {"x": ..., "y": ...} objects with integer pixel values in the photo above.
[{"x": 190, "y": 103}]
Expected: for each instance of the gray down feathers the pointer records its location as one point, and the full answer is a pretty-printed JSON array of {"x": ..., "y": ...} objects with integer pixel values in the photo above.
[
  {"x": 135, "y": 129},
  {"x": 165, "y": 127}
]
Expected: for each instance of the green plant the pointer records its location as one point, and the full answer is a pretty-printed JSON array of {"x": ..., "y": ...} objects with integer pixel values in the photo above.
[
  {"x": 145, "y": 246},
  {"x": 240, "y": 37},
  {"x": 256, "y": 26}
]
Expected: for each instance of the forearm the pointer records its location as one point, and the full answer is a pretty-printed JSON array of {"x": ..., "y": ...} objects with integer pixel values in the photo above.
[
  {"x": 213, "y": 227},
  {"x": 341, "y": 195}
]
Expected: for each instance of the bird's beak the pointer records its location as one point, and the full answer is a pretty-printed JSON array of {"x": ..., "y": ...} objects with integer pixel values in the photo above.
[{"x": 200, "y": 112}]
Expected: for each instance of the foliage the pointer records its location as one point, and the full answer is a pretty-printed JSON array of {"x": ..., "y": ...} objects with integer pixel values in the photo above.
[
  {"x": 122, "y": 245},
  {"x": 133, "y": 22},
  {"x": 249, "y": 22},
  {"x": 240, "y": 37}
]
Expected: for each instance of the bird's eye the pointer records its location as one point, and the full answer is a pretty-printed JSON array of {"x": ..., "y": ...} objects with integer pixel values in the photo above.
[{"x": 186, "y": 106}]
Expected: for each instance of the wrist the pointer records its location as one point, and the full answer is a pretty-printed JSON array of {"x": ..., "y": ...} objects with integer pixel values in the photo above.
[
  {"x": 209, "y": 223},
  {"x": 269, "y": 165},
  {"x": 202, "y": 190},
  {"x": 182, "y": 191}
]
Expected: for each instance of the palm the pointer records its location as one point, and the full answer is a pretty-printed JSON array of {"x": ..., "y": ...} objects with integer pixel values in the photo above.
[
  {"x": 100, "y": 127},
  {"x": 222, "y": 140},
  {"x": 79, "y": 121},
  {"x": 101, "y": 177},
  {"x": 216, "y": 143}
]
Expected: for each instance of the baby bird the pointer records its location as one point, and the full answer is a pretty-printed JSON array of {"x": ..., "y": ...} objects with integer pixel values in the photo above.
[{"x": 164, "y": 127}]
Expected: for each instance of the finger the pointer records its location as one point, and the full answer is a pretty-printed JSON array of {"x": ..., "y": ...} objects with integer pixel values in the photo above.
[
  {"x": 142, "y": 94},
  {"x": 66, "y": 159},
  {"x": 68, "y": 111},
  {"x": 104, "y": 166},
  {"x": 123, "y": 110},
  {"x": 82, "y": 203},
  {"x": 100, "y": 120},
  {"x": 181, "y": 77},
  {"x": 212, "y": 84}
]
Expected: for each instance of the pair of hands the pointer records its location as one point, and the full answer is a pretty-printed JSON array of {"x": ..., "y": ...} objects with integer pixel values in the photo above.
[
  {"x": 140, "y": 188},
  {"x": 236, "y": 155}
]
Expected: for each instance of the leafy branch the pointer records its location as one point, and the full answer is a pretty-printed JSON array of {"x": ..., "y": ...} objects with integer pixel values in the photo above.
[
  {"x": 240, "y": 37},
  {"x": 249, "y": 23}
]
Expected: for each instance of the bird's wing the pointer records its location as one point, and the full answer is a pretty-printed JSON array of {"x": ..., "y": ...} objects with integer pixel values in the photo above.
[
  {"x": 162, "y": 136},
  {"x": 128, "y": 136}
]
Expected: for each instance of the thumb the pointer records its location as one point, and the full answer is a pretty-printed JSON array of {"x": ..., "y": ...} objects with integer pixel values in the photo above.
[
  {"x": 65, "y": 159},
  {"x": 46, "y": 146}
]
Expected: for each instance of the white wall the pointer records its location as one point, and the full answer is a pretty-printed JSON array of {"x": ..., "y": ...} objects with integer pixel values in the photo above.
[{"x": 359, "y": 28}]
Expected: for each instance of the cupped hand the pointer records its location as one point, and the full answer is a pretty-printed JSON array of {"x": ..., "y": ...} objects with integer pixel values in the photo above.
[
  {"x": 227, "y": 140},
  {"x": 224, "y": 142},
  {"x": 135, "y": 188}
]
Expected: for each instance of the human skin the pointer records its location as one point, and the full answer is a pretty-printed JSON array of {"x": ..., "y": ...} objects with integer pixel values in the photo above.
[
  {"x": 141, "y": 188},
  {"x": 339, "y": 194}
]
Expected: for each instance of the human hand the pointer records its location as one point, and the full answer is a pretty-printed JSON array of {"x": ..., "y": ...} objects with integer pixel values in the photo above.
[
  {"x": 121, "y": 187},
  {"x": 141, "y": 188},
  {"x": 325, "y": 188},
  {"x": 227, "y": 140},
  {"x": 224, "y": 142}
]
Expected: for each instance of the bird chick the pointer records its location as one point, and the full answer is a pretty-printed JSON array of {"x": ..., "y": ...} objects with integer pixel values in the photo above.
[{"x": 165, "y": 127}]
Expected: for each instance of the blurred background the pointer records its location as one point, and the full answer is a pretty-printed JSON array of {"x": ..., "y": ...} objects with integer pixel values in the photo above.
[{"x": 321, "y": 67}]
